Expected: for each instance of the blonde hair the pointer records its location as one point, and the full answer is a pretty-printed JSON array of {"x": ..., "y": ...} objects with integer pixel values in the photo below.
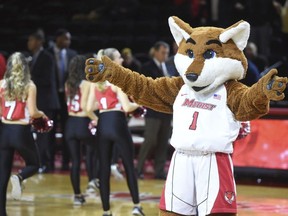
[
  {"x": 17, "y": 77},
  {"x": 101, "y": 86},
  {"x": 109, "y": 52}
]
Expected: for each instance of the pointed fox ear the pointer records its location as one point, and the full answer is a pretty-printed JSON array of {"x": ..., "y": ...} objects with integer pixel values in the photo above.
[
  {"x": 179, "y": 29},
  {"x": 239, "y": 33}
]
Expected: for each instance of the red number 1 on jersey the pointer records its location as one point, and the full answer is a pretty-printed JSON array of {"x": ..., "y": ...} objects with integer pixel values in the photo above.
[{"x": 193, "y": 125}]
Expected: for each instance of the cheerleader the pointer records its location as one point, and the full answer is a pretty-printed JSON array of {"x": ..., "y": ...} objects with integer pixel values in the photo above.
[
  {"x": 18, "y": 105},
  {"x": 112, "y": 129},
  {"x": 77, "y": 131}
]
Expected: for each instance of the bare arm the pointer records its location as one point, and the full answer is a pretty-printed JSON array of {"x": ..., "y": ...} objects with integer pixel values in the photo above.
[
  {"x": 158, "y": 94},
  {"x": 91, "y": 105},
  {"x": 127, "y": 105},
  {"x": 31, "y": 102},
  {"x": 85, "y": 91}
]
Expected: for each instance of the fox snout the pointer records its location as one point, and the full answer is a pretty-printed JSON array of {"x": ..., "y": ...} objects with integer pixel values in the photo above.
[{"x": 192, "y": 77}]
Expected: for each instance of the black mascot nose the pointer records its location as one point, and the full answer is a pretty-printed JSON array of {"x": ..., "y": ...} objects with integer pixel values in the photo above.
[{"x": 192, "y": 77}]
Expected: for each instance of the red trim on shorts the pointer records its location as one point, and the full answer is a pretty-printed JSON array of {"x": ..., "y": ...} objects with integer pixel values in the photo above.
[
  {"x": 162, "y": 204},
  {"x": 226, "y": 199}
]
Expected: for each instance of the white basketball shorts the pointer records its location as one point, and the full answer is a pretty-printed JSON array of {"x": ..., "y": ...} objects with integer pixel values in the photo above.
[{"x": 199, "y": 182}]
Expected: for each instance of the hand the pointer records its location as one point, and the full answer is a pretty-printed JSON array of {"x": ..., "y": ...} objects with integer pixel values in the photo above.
[
  {"x": 274, "y": 86},
  {"x": 139, "y": 112},
  {"x": 96, "y": 70}
]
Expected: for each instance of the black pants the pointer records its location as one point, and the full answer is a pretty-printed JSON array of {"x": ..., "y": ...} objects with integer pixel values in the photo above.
[
  {"x": 60, "y": 120},
  {"x": 112, "y": 130},
  {"x": 76, "y": 134},
  {"x": 15, "y": 137},
  {"x": 45, "y": 143},
  {"x": 157, "y": 134}
]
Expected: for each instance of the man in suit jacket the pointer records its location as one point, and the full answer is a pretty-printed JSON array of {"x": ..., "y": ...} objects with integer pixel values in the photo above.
[
  {"x": 43, "y": 75},
  {"x": 157, "y": 125},
  {"x": 62, "y": 55},
  {"x": 170, "y": 64}
]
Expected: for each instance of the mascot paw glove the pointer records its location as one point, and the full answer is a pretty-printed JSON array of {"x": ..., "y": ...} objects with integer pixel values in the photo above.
[
  {"x": 98, "y": 70},
  {"x": 274, "y": 86}
]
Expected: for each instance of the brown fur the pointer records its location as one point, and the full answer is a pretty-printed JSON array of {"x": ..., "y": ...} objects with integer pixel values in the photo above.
[
  {"x": 228, "y": 49},
  {"x": 246, "y": 103}
]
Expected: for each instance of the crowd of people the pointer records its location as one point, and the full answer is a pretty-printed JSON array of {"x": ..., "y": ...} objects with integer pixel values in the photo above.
[{"x": 53, "y": 80}]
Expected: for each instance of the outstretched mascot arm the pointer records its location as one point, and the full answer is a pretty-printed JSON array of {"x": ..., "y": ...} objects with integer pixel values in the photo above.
[
  {"x": 248, "y": 103},
  {"x": 158, "y": 94}
]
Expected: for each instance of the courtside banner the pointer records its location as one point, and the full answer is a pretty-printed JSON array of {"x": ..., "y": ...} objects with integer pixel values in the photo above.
[{"x": 265, "y": 147}]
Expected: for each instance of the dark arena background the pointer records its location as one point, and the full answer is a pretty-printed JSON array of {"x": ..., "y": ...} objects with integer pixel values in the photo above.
[{"x": 260, "y": 159}]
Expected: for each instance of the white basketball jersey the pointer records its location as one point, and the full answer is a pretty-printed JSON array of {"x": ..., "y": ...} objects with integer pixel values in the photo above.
[{"x": 203, "y": 123}]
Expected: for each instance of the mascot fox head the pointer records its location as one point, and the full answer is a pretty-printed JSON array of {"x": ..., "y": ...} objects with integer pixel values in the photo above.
[{"x": 207, "y": 56}]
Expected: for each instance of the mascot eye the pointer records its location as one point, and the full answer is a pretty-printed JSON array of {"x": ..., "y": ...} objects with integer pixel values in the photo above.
[
  {"x": 209, "y": 54},
  {"x": 190, "y": 53}
]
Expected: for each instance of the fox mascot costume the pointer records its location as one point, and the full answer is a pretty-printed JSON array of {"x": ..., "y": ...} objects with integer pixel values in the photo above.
[{"x": 207, "y": 103}]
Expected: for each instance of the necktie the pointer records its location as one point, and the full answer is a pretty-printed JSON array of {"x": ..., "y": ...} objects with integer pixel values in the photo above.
[{"x": 161, "y": 69}]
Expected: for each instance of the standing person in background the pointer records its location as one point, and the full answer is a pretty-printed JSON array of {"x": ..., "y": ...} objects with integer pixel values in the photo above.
[
  {"x": 251, "y": 53},
  {"x": 62, "y": 55},
  {"x": 115, "y": 171},
  {"x": 43, "y": 74},
  {"x": 77, "y": 91},
  {"x": 112, "y": 129},
  {"x": 170, "y": 64},
  {"x": 129, "y": 61},
  {"x": 17, "y": 95},
  {"x": 157, "y": 125}
]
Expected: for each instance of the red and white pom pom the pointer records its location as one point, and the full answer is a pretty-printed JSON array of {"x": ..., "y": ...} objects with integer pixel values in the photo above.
[
  {"x": 244, "y": 130},
  {"x": 42, "y": 124},
  {"x": 139, "y": 112},
  {"x": 93, "y": 127}
]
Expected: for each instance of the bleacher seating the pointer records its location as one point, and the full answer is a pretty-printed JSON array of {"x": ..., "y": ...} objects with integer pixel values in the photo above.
[{"x": 138, "y": 30}]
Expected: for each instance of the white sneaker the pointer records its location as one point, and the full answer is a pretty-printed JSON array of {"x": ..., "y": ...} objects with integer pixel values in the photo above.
[
  {"x": 93, "y": 186},
  {"x": 115, "y": 172},
  {"x": 16, "y": 187},
  {"x": 137, "y": 211},
  {"x": 79, "y": 200}
]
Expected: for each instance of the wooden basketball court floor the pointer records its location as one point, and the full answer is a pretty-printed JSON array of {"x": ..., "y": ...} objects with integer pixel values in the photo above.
[{"x": 51, "y": 195}]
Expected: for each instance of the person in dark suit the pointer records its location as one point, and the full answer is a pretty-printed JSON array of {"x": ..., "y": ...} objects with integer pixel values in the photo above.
[
  {"x": 62, "y": 55},
  {"x": 170, "y": 64},
  {"x": 157, "y": 125},
  {"x": 43, "y": 74}
]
